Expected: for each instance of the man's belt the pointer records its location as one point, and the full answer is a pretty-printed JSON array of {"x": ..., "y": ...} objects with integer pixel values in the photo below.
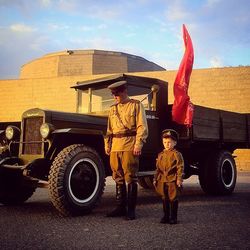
[{"x": 126, "y": 134}]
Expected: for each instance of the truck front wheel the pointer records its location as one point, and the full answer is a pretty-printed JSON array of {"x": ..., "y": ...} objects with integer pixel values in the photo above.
[
  {"x": 218, "y": 173},
  {"x": 76, "y": 180},
  {"x": 14, "y": 187}
]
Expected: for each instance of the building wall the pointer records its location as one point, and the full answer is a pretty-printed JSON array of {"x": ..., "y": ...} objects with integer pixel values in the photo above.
[
  {"x": 42, "y": 67},
  {"x": 16, "y": 96},
  {"x": 75, "y": 65},
  {"x": 222, "y": 88},
  {"x": 109, "y": 63}
]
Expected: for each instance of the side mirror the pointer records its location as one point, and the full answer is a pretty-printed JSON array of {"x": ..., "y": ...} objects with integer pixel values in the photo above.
[{"x": 155, "y": 88}]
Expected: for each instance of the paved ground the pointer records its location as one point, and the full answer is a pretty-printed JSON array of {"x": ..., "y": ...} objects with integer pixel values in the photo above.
[{"x": 205, "y": 222}]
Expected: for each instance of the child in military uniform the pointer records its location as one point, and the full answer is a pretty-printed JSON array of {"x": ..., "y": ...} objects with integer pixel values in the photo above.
[{"x": 168, "y": 176}]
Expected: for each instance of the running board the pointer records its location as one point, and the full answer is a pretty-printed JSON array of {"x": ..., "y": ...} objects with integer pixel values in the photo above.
[
  {"x": 42, "y": 184},
  {"x": 146, "y": 173}
]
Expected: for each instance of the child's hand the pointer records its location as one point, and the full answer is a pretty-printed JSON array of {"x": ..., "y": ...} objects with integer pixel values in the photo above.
[{"x": 179, "y": 183}]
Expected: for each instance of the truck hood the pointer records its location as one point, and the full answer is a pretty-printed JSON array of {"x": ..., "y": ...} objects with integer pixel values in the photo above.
[{"x": 69, "y": 120}]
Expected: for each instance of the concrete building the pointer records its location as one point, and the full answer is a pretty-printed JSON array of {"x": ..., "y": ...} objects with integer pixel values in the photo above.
[
  {"x": 46, "y": 81},
  {"x": 85, "y": 62}
]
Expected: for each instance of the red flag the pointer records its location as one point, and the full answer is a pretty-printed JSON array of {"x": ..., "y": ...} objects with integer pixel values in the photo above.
[{"x": 182, "y": 111}]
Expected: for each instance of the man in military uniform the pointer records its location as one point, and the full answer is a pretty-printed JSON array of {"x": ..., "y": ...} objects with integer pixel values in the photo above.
[{"x": 127, "y": 131}]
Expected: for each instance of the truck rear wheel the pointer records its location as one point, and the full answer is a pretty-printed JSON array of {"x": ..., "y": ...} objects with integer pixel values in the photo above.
[
  {"x": 149, "y": 180},
  {"x": 142, "y": 183},
  {"x": 218, "y": 174},
  {"x": 76, "y": 180}
]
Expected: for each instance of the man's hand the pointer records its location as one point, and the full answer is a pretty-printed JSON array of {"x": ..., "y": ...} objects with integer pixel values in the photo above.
[
  {"x": 137, "y": 151},
  {"x": 107, "y": 151}
]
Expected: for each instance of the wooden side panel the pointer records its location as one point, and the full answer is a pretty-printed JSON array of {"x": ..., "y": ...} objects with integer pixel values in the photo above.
[
  {"x": 248, "y": 127},
  {"x": 234, "y": 126},
  {"x": 206, "y": 124}
]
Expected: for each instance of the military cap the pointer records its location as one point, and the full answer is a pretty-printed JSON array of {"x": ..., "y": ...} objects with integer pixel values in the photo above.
[
  {"x": 121, "y": 85},
  {"x": 170, "y": 133}
]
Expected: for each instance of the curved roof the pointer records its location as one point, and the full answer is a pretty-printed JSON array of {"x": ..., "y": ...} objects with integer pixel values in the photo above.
[{"x": 86, "y": 62}]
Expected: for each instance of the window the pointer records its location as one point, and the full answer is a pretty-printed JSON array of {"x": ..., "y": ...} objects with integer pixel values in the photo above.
[{"x": 100, "y": 100}]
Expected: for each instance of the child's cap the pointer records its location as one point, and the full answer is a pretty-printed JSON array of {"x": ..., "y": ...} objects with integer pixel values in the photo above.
[{"x": 170, "y": 133}]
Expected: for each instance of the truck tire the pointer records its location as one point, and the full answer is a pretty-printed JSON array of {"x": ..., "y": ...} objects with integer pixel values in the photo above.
[
  {"x": 76, "y": 180},
  {"x": 146, "y": 182},
  {"x": 218, "y": 174},
  {"x": 14, "y": 188},
  {"x": 149, "y": 180},
  {"x": 142, "y": 183}
]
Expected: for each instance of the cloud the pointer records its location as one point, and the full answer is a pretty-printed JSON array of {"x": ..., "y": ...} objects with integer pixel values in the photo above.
[
  {"x": 45, "y": 3},
  {"x": 19, "y": 45},
  {"x": 85, "y": 28},
  {"x": 25, "y": 8},
  {"x": 216, "y": 62},
  {"x": 212, "y": 3},
  {"x": 55, "y": 26},
  {"x": 21, "y": 28},
  {"x": 177, "y": 11},
  {"x": 105, "y": 10},
  {"x": 101, "y": 42},
  {"x": 89, "y": 28},
  {"x": 130, "y": 35}
]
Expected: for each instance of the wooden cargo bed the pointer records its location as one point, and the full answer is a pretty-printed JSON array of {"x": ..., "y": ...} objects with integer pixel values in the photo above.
[{"x": 214, "y": 125}]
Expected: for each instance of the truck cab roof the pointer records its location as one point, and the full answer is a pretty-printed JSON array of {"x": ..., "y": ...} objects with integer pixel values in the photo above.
[{"x": 132, "y": 80}]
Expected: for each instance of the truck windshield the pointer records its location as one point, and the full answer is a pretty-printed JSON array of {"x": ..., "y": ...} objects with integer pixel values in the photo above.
[{"x": 100, "y": 100}]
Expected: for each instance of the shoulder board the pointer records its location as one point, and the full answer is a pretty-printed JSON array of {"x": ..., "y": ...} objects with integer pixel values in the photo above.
[
  {"x": 176, "y": 152},
  {"x": 161, "y": 153},
  {"x": 134, "y": 101}
]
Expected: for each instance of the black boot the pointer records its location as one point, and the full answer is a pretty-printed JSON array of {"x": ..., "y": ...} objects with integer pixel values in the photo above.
[
  {"x": 165, "y": 218},
  {"x": 132, "y": 198},
  {"x": 121, "y": 201},
  {"x": 173, "y": 212}
]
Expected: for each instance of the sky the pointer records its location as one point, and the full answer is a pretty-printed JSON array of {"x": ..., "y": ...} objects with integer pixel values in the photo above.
[{"x": 152, "y": 29}]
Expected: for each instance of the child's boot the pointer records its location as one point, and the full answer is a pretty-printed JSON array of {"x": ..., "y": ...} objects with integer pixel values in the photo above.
[{"x": 165, "y": 218}]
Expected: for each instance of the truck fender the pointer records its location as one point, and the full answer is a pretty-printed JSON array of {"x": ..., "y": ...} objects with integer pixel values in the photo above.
[
  {"x": 10, "y": 161},
  {"x": 74, "y": 136}
]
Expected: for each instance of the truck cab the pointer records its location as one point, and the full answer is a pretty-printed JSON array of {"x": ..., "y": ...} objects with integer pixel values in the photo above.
[{"x": 94, "y": 98}]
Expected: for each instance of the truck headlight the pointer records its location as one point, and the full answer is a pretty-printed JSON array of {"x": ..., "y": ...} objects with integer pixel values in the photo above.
[
  {"x": 46, "y": 129},
  {"x": 12, "y": 132}
]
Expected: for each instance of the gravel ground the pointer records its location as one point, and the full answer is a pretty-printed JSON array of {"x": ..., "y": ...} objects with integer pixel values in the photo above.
[{"x": 205, "y": 222}]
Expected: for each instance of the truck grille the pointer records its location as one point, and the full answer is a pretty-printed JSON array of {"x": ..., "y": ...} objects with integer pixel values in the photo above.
[{"x": 31, "y": 136}]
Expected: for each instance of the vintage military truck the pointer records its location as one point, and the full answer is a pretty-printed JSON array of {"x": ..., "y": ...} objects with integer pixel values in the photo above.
[{"x": 65, "y": 151}]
